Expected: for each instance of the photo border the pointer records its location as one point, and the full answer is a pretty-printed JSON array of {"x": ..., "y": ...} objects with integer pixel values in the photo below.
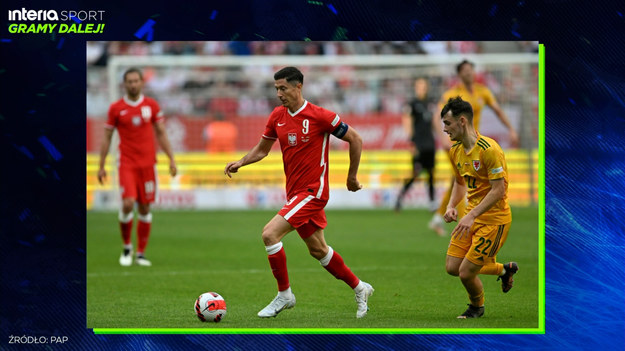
[{"x": 303, "y": 331}]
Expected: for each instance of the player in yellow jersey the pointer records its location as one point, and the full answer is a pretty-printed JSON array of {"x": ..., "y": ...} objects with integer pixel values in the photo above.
[
  {"x": 478, "y": 96},
  {"x": 480, "y": 171}
]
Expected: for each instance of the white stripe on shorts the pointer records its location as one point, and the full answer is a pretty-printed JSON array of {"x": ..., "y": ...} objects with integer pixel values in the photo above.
[{"x": 298, "y": 207}]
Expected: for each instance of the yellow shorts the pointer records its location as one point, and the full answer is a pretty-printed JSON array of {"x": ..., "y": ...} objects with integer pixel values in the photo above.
[{"x": 482, "y": 244}]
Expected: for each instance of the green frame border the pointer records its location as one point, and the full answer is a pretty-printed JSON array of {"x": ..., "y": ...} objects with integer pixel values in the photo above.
[
  {"x": 541, "y": 269},
  {"x": 268, "y": 331}
]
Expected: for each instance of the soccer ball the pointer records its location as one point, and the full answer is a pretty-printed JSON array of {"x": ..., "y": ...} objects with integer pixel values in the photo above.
[{"x": 210, "y": 306}]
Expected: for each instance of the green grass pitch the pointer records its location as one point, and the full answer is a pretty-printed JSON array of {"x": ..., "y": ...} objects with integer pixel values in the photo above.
[{"x": 193, "y": 252}]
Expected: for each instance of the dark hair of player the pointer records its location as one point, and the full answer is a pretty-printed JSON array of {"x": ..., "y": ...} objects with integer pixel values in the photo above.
[
  {"x": 133, "y": 70},
  {"x": 464, "y": 62},
  {"x": 290, "y": 74},
  {"x": 458, "y": 107}
]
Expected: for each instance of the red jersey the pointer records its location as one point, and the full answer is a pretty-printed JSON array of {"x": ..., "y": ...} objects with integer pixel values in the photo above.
[
  {"x": 304, "y": 140},
  {"x": 134, "y": 121}
]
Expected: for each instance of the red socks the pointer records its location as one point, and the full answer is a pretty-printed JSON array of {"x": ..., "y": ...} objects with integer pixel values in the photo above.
[
  {"x": 277, "y": 261},
  {"x": 143, "y": 231},
  {"x": 333, "y": 263},
  {"x": 125, "y": 223}
]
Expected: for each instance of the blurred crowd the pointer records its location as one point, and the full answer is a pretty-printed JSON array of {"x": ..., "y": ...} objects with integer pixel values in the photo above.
[
  {"x": 99, "y": 51},
  {"x": 248, "y": 91}
]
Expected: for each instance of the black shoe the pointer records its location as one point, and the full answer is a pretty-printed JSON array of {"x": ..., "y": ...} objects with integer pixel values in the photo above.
[
  {"x": 506, "y": 279},
  {"x": 472, "y": 312}
]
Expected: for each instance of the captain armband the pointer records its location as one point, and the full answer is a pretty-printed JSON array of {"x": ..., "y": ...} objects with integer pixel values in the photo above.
[{"x": 341, "y": 130}]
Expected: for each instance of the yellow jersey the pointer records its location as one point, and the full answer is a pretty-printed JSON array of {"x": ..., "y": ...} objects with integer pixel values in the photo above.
[
  {"x": 485, "y": 162},
  {"x": 481, "y": 96}
]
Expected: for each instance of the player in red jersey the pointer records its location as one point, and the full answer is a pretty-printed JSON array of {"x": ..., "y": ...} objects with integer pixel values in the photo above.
[
  {"x": 303, "y": 131},
  {"x": 135, "y": 116}
]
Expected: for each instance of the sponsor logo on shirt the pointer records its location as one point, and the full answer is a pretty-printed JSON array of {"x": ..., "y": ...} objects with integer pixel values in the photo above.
[{"x": 136, "y": 121}]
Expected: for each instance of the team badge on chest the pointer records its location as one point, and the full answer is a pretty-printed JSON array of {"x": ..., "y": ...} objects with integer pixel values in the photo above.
[
  {"x": 476, "y": 165},
  {"x": 146, "y": 112},
  {"x": 292, "y": 139}
]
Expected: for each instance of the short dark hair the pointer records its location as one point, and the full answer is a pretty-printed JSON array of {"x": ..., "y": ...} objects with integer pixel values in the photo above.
[
  {"x": 133, "y": 70},
  {"x": 290, "y": 74},
  {"x": 464, "y": 62},
  {"x": 458, "y": 107}
]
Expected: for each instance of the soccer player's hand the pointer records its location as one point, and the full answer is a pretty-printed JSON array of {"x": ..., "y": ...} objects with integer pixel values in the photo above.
[
  {"x": 464, "y": 227},
  {"x": 353, "y": 184},
  {"x": 231, "y": 167},
  {"x": 101, "y": 176},
  {"x": 173, "y": 170},
  {"x": 450, "y": 215}
]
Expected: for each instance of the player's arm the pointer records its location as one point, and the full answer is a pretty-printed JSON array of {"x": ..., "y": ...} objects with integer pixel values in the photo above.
[
  {"x": 458, "y": 191},
  {"x": 163, "y": 141},
  {"x": 104, "y": 150},
  {"x": 260, "y": 151},
  {"x": 496, "y": 193},
  {"x": 514, "y": 137},
  {"x": 351, "y": 136}
]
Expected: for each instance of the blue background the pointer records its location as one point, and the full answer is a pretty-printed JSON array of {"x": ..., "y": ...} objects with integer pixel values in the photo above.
[{"x": 42, "y": 177}]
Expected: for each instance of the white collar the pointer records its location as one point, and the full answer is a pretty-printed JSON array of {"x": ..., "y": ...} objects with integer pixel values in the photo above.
[
  {"x": 133, "y": 103},
  {"x": 299, "y": 110}
]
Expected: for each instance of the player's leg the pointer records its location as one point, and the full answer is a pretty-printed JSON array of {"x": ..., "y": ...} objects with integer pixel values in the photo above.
[
  {"x": 436, "y": 223},
  {"x": 468, "y": 274},
  {"x": 273, "y": 232},
  {"x": 452, "y": 265},
  {"x": 433, "y": 206},
  {"x": 128, "y": 196},
  {"x": 292, "y": 214},
  {"x": 144, "y": 227},
  {"x": 329, "y": 259},
  {"x": 456, "y": 252},
  {"x": 428, "y": 159},
  {"x": 314, "y": 238},
  {"x": 416, "y": 169},
  {"x": 146, "y": 194},
  {"x": 457, "y": 264},
  {"x": 497, "y": 235},
  {"x": 493, "y": 268}
]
